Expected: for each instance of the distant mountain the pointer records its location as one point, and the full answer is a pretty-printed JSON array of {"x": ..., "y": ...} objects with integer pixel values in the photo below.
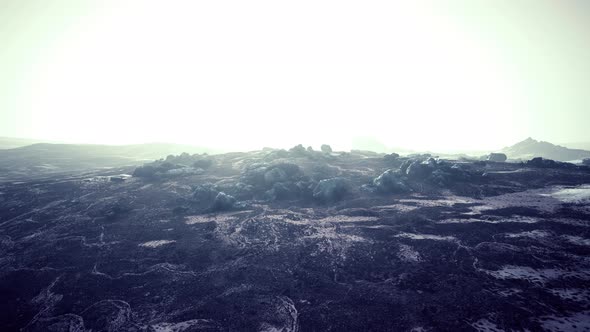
[
  {"x": 530, "y": 148},
  {"x": 578, "y": 145},
  {"x": 46, "y": 158},
  {"x": 13, "y": 142}
]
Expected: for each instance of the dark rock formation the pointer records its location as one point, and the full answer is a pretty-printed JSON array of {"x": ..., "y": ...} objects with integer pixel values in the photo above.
[
  {"x": 392, "y": 157},
  {"x": 205, "y": 193},
  {"x": 548, "y": 163},
  {"x": 331, "y": 190},
  {"x": 223, "y": 202},
  {"x": 419, "y": 170},
  {"x": 298, "y": 151},
  {"x": 497, "y": 157},
  {"x": 391, "y": 181},
  {"x": 146, "y": 171}
]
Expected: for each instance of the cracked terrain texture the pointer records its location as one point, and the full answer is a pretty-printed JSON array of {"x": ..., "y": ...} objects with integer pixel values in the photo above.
[{"x": 501, "y": 247}]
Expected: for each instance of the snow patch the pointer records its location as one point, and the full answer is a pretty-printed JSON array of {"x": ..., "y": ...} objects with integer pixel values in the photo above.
[
  {"x": 535, "y": 234},
  {"x": 156, "y": 243},
  {"x": 415, "y": 236},
  {"x": 343, "y": 218},
  {"x": 190, "y": 220},
  {"x": 578, "y": 195},
  {"x": 515, "y": 219}
]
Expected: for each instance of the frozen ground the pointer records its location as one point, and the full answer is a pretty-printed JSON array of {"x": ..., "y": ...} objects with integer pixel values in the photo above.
[{"x": 508, "y": 251}]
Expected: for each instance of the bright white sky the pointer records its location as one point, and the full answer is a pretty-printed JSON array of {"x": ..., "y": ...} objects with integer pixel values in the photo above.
[{"x": 248, "y": 74}]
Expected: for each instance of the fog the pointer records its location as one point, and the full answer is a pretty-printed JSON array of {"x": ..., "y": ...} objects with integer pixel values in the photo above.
[{"x": 235, "y": 75}]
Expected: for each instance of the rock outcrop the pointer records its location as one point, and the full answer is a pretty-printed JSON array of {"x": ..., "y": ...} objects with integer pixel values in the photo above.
[{"x": 497, "y": 157}]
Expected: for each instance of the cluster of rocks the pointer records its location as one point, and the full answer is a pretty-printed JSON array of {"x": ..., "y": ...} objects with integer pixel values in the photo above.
[
  {"x": 391, "y": 181},
  {"x": 326, "y": 148},
  {"x": 432, "y": 171},
  {"x": 164, "y": 169},
  {"x": 391, "y": 158},
  {"x": 208, "y": 196},
  {"x": 323, "y": 180},
  {"x": 331, "y": 190},
  {"x": 284, "y": 181},
  {"x": 181, "y": 165},
  {"x": 274, "y": 181},
  {"x": 299, "y": 151},
  {"x": 540, "y": 162},
  {"x": 202, "y": 161}
]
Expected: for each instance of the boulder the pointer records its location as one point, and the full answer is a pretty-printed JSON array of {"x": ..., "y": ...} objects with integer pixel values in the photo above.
[
  {"x": 243, "y": 190},
  {"x": 283, "y": 190},
  {"x": 281, "y": 173},
  {"x": 419, "y": 170},
  {"x": 160, "y": 169},
  {"x": 326, "y": 148},
  {"x": 274, "y": 175},
  {"x": 430, "y": 162},
  {"x": 446, "y": 175},
  {"x": 254, "y": 174},
  {"x": 586, "y": 162},
  {"x": 324, "y": 171},
  {"x": 404, "y": 166},
  {"x": 390, "y": 181},
  {"x": 298, "y": 151},
  {"x": 497, "y": 157},
  {"x": 205, "y": 192},
  {"x": 266, "y": 175},
  {"x": 223, "y": 202},
  {"x": 146, "y": 172},
  {"x": 331, "y": 190},
  {"x": 391, "y": 157}
]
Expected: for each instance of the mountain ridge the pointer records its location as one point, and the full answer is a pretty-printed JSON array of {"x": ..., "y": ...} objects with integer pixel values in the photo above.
[{"x": 531, "y": 148}]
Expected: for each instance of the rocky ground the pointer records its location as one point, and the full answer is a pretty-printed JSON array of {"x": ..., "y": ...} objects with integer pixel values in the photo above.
[{"x": 299, "y": 240}]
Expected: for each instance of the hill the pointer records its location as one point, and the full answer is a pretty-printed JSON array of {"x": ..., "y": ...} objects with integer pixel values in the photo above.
[
  {"x": 530, "y": 148},
  {"x": 45, "y": 158}
]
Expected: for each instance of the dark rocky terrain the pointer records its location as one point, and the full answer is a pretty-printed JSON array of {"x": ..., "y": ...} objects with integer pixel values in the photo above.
[{"x": 298, "y": 240}]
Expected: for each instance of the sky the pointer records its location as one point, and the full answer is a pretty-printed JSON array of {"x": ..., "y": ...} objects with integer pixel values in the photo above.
[{"x": 240, "y": 75}]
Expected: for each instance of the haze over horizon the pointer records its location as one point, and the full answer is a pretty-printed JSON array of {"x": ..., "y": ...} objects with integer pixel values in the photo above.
[{"x": 428, "y": 75}]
